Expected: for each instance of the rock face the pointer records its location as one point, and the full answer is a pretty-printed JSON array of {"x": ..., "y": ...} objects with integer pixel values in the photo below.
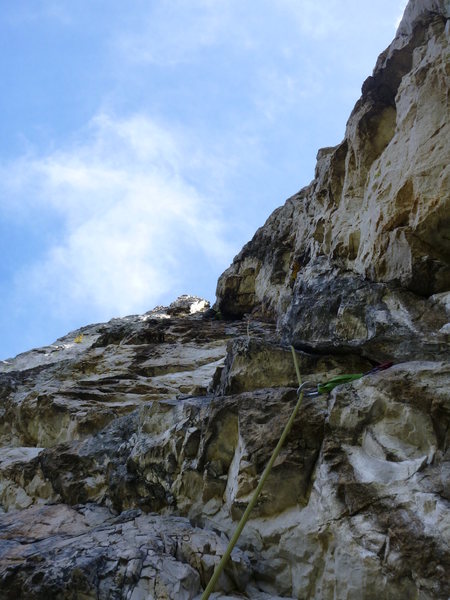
[
  {"x": 130, "y": 449},
  {"x": 84, "y": 552},
  {"x": 365, "y": 247}
]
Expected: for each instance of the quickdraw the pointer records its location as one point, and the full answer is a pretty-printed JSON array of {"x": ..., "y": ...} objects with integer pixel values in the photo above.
[{"x": 310, "y": 390}]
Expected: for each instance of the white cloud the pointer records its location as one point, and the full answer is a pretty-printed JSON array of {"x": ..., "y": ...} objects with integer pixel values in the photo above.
[
  {"x": 55, "y": 10},
  {"x": 279, "y": 92},
  {"x": 173, "y": 32},
  {"x": 130, "y": 217},
  {"x": 178, "y": 31},
  {"x": 315, "y": 19}
]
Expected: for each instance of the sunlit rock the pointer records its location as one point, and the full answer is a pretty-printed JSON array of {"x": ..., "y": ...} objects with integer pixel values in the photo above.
[{"x": 130, "y": 449}]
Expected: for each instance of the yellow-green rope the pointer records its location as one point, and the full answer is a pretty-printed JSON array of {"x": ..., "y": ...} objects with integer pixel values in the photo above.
[{"x": 220, "y": 567}]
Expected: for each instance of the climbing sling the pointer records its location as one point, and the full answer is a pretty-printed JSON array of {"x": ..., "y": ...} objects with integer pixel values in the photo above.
[{"x": 328, "y": 386}]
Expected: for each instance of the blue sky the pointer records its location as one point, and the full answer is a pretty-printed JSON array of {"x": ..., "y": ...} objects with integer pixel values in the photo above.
[{"x": 142, "y": 143}]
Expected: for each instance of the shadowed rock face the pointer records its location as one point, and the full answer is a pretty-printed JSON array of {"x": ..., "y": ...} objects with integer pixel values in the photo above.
[
  {"x": 130, "y": 449},
  {"x": 85, "y": 552}
]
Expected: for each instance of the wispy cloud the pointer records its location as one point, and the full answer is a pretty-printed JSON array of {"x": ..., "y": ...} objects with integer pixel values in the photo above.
[
  {"x": 279, "y": 92},
  {"x": 178, "y": 31},
  {"x": 175, "y": 32},
  {"x": 316, "y": 20},
  {"x": 129, "y": 217},
  {"x": 55, "y": 10}
]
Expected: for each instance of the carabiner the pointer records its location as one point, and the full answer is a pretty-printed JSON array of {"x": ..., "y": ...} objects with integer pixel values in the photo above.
[{"x": 310, "y": 392}]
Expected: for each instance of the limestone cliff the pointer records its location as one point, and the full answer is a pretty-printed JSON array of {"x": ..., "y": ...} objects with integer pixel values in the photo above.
[
  {"x": 366, "y": 246},
  {"x": 130, "y": 449}
]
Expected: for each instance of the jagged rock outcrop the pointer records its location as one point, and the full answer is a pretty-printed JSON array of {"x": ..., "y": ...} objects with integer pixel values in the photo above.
[
  {"x": 366, "y": 246},
  {"x": 130, "y": 449}
]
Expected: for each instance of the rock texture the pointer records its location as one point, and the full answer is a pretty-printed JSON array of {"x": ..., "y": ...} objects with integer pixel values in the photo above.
[
  {"x": 84, "y": 552},
  {"x": 130, "y": 449},
  {"x": 366, "y": 246}
]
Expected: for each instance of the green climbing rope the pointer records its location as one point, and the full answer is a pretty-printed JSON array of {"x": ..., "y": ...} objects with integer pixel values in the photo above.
[{"x": 223, "y": 561}]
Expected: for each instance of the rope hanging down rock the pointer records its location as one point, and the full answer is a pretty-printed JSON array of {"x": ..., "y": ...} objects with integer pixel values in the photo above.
[
  {"x": 220, "y": 567},
  {"x": 303, "y": 390}
]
